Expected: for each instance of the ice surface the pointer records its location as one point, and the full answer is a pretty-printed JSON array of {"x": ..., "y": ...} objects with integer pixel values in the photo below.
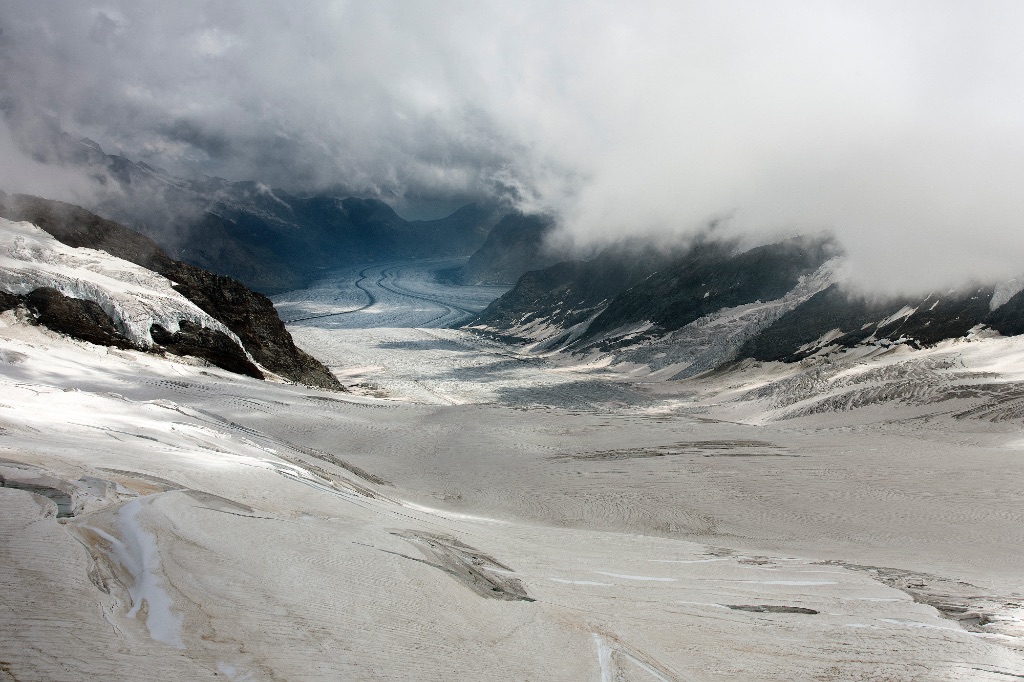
[
  {"x": 643, "y": 578},
  {"x": 254, "y": 539},
  {"x": 400, "y": 347},
  {"x": 136, "y": 550}
]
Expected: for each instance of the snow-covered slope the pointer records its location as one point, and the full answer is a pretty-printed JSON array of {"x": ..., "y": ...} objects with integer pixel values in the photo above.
[
  {"x": 979, "y": 378},
  {"x": 134, "y": 297},
  {"x": 250, "y": 315},
  {"x": 167, "y": 521},
  {"x": 700, "y": 310}
]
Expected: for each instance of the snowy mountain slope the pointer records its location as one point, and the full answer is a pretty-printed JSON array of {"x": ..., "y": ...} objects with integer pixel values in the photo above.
[
  {"x": 133, "y": 307},
  {"x": 135, "y": 298},
  {"x": 658, "y": 311},
  {"x": 673, "y": 317},
  {"x": 249, "y": 315},
  {"x": 977, "y": 379},
  {"x": 835, "y": 318},
  {"x": 712, "y": 276}
]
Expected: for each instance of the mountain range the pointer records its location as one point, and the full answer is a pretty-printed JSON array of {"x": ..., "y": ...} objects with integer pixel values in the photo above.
[
  {"x": 672, "y": 312},
  {"x": 267, "y": 238},
  {"x": 677, "y": 314}
]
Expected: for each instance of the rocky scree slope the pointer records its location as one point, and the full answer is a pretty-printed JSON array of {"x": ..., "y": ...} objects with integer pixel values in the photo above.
[{"x": 249, "y": 315}]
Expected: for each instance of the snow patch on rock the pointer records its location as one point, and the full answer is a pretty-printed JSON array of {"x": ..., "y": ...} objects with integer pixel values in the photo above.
[{"x": 1005, "y": 291}]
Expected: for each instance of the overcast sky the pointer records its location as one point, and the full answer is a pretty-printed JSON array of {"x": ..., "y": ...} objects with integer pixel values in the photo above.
[{"x": 899, "y": 125}]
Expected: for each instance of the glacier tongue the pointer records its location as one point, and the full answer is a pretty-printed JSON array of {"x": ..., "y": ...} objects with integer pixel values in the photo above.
[{"x": 134, "y": 297}]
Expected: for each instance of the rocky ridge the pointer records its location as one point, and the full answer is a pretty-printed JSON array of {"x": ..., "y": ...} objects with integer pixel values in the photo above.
[
  {"x": 673, "y": 315},
  {"x": 249, "y": 315}
]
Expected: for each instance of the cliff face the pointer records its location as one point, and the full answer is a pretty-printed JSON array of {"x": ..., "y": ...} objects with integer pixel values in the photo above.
[{"x": 249, "y": 315}]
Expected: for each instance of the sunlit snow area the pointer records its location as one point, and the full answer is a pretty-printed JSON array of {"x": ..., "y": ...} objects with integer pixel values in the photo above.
[{"x": 473, "y": 511}]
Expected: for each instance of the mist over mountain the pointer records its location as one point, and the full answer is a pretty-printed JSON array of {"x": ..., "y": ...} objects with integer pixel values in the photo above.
[
  {"x": 267, "y": 238},
  {"x": 517, "y": 244},
  {"x": 676, "y": 315},
  {"x": 894, "y": 126},
  {"x": 88, "y": 311},
  {"x": 511, "y": 339}
]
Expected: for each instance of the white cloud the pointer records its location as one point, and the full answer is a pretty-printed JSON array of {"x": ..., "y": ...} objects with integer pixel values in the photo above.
[{"x": 895, "y": 124}]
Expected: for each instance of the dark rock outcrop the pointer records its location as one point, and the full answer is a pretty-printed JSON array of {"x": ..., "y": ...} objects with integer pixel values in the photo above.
[
  {"x": 253, "y": 318},
  {"x": 75, "y": 317},
  {"x": 248, "y": 314},
  {"x": 9, "y": 301},
  {"x": 211, "y": 345}
]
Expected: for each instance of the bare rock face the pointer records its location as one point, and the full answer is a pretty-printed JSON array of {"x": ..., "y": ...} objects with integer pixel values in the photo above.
[
  {"x": 248, "y": 314},
  {"x": 211, "y": 345},
  {"x": 253, "y": 318},
  {"x": 75, "y": 317},
  {"x": 87, "y": 321}
]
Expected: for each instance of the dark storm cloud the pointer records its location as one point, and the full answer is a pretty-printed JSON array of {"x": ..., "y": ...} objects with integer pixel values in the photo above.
[{"x": 897, "y": 125}]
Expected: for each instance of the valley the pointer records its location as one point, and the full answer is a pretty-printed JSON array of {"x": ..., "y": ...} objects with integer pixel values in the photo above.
[
  {"x": 528, "y": 341},
  {"x": 472, "y": 510}
]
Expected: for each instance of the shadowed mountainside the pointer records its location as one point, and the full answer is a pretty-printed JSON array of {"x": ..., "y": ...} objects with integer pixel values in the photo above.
[
  {"x": 513, "y": 247},
  {"x": 267, "y": 238},
  {"x": 701, "y": 308}
]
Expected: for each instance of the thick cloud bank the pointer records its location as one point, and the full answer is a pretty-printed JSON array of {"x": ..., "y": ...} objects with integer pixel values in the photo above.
[{"x": 896, "y": 125}]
